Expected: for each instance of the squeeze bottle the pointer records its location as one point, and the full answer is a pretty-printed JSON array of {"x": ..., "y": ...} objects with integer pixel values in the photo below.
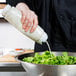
[{"x": 13, "y": 16}]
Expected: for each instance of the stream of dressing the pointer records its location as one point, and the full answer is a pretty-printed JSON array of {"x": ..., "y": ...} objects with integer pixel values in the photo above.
[{"x": 48, "y": 46}]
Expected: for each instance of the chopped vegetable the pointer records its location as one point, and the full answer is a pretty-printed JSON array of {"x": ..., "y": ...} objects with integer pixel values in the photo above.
[{"x": 51, "y": 59}]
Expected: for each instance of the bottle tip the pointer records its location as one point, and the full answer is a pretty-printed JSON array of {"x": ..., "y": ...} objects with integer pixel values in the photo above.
[{"x": 7, "y": 7}]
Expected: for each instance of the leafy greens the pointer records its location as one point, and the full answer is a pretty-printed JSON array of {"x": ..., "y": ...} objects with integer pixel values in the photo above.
[{"x": 51, "y": 59}]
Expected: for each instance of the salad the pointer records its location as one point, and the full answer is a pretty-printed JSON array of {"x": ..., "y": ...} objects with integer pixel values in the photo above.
[{"x": 51, "y": 59}]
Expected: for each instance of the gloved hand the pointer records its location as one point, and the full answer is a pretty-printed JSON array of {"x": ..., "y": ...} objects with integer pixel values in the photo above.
[{"x": 29, "y": 18}]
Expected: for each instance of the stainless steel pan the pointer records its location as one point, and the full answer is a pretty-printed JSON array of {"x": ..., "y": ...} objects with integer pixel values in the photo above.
[{"x": 47, "y": 70}]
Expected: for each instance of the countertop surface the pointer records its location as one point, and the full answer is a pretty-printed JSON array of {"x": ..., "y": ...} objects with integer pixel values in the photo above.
[
  {"x": 9, "y": 64},
  {"x": 10, "y": 58}
]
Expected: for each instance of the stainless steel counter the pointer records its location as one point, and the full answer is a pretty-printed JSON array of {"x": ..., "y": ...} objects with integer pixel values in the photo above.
[
  {"x": 13, "y": 74},
  {"x": 12, "y": 69},
  {"x": 9, "y": 64}
]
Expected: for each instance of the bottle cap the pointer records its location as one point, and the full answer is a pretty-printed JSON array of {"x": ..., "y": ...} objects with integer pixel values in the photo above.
[{"x": 6, "y": 9}]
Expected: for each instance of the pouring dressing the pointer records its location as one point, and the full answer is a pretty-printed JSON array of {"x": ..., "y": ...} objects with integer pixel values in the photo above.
[{"x": 13, "y": 16}]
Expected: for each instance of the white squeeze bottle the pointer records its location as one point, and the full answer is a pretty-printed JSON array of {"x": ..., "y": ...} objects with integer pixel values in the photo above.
[{"x": 13, "y": 16}]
